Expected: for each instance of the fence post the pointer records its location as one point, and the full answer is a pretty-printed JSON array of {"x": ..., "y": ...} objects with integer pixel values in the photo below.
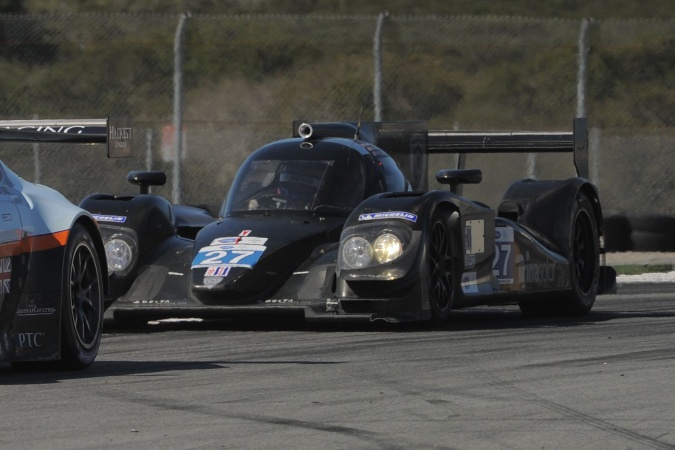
[
  {"x": 582, "y": 80},
  {"x": 148, "y": 149},
  {"x": 581, "y": 76},
  {"x": 377, "y": 54},
  {"x": 177, "y": 107}
]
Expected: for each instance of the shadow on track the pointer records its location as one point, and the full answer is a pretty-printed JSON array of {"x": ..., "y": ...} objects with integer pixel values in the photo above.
[
  {"x": 478, "y": 318},
  {"x": 9, "y": 376}
]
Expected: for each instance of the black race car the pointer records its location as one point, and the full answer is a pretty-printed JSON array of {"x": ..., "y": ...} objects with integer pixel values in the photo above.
[
  {"x": 52, "y": 259},
  {"x": 335, "y": 223}
]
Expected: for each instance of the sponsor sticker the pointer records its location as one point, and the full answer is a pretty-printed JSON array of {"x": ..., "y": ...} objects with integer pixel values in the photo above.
[
  {"x": 158, "y": 302},
  {"x": 535, "y": 272},
  {"x": 286, "y": 301},
  {"x": 474, "y": 236},
  {"x": 469, "y": 261},
  {"x": 469, "y": 285},
  {"x": 5, "y": 274},
  {"x": 239, "y": 240},
  {"x": 35, "y": 311},
  {"x": 109, "y": 218},
  {"x": 211, "y": 282},
  {"x": 30, "y": 340},
  {"x": 503, "y": 234},
  {"x": 217, "y": 271},
  {"x": 389, "y": 215}
]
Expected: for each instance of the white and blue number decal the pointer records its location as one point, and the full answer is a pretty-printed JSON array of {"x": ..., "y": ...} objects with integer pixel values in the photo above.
[
  {"x": 226, "y": 252},
  {"x": 503, "y": 264}
]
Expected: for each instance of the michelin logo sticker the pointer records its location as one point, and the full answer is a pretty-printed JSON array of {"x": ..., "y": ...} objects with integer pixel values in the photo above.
[
  {"x": 389, "y": 215},
  {"x": 108, "y": 218}
]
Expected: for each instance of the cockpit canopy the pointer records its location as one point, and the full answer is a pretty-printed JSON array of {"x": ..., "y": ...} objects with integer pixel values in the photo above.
[{"x": 328, "y": 177}]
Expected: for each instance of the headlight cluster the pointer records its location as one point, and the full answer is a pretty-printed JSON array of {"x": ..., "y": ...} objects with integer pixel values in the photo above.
[
  {"x": 357, "y": 252},
  {"x": 120, "y": 250},
  {"x": 118, "y": 253},
  {"x": 367, "y": 249},
  {"x": 387, "y": 248}
]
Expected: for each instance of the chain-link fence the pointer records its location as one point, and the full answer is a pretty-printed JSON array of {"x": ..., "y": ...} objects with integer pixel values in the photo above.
[{"x": 242, "y": 80}]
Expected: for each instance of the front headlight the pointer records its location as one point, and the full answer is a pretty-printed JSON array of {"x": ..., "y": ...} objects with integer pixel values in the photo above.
[
  {"x": 381, "y": 250},
  {"x": 387, "y": 248},
  {"x": 369, "y": 245},
  {"x": 121, "y": 249},
  {"x": 357, "y": 252},
  {"x": 118, "y": 253}
]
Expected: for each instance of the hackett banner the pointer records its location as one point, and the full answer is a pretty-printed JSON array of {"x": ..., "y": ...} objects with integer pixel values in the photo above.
[{"x": 120, "y": 137}]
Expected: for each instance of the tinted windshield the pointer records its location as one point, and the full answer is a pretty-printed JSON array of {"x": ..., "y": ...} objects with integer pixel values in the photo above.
[{"x": 301, "y": 185}]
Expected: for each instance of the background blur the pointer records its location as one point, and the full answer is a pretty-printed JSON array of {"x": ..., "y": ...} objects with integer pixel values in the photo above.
[{"x": 242, "y": 79}]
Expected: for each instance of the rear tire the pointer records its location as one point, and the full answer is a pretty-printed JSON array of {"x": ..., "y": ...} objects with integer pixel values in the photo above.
[
  {"x": 82, "y": 301},
  {"x": 584, "y": 263},
  {"x": 81, "y": 307},
  {"x": 584, "y": 259},
  {"x": 440, "y": 270}
]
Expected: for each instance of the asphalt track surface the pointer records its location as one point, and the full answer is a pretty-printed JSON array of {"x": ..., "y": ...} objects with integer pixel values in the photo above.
[{"x": 491, "y": 380}]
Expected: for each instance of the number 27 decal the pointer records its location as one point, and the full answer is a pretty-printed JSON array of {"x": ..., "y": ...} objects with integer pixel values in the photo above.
[
  {"x": 223, "y": 257},
  {"x": 502, "y": 266},
  {"x": 213, "y": 256}
]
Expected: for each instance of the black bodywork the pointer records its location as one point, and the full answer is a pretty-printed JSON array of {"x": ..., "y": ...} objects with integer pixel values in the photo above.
[{"x": 336, "y": 223}]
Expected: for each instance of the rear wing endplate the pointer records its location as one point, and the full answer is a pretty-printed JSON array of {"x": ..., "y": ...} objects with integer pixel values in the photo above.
[
  {"x": 116, "y": 132},
  {"x": 462, "y": 142}
]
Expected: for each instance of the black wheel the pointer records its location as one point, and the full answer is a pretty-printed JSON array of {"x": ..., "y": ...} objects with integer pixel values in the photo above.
[
  {"x": 82, "y": 297},
  {"x": 440, "y": 269},
  {"x": 584, "y": 259}
]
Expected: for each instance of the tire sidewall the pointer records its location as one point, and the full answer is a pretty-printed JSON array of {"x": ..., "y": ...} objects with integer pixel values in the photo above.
[
  {"x": 74, "y": 353},
  {"x": 440, "y": 316},
  {"x": 582, "y": 301}
]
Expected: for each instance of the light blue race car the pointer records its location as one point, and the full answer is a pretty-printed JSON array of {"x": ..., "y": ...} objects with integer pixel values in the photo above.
[{"x": 53, "y": 270}]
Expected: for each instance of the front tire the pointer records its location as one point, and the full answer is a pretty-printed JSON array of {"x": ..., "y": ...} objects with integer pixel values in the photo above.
[
  {"x": 441, "y": 278},
  {"x": 82, "y": 301}
]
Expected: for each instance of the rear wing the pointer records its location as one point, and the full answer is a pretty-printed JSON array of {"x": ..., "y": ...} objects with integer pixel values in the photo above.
[
  {"x": 462, "y": 142},
  {"x": 116, "y": 132}
]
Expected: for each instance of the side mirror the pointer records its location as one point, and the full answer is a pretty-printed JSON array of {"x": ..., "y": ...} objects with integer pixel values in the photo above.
[
  {"x": 455, "y": 177},
  {"x": 146, "y": 179}
]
